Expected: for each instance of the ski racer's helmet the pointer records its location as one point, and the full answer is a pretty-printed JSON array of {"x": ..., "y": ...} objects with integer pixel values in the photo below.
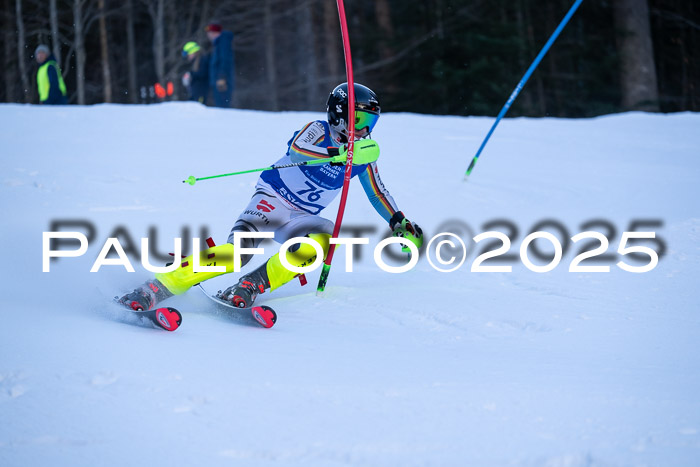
[{"x": 366, "y": 109}]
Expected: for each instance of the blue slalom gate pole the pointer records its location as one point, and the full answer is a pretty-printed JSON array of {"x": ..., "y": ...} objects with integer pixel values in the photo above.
[{"x": 522, "y": 82}]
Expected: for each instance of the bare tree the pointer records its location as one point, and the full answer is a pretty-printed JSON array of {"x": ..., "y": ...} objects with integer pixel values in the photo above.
[
  {"x": 270, "y": 59},
  {"x": 539, "y": 85},
  {"x": 55, "y": 39},
  {"x": 21, "y": 50},
  {"x": 522, "y": 51},
  {"x": 204, "y": 15},
  {"x": 637, "y": 67},
  {"x": 308, "y": 61},
  {"x": 156, "y": 11},
  {"x": 382, "y": 11},
  {"x": 173, "y": 44},
  {"x": 79, "y": 45},
  {"x": 131, "y": 52},
  {"x": 104, "y": 50},
  {"x": 331, "y": 23},
  {"x": 10, "y": 71},
  {"x": 84, "y": 15}
]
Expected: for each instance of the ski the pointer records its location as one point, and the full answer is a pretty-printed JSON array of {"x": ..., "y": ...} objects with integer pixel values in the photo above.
[
  {"x": 261, "y": 314},
  {"x": 166, "y": 318}
]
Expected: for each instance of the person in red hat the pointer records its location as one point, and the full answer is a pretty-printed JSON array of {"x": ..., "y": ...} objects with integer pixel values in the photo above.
[{"x": 221, "y": 65}]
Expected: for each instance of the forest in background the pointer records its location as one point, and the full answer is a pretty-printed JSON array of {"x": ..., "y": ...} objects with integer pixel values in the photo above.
[{"x": 452, "y": 57}]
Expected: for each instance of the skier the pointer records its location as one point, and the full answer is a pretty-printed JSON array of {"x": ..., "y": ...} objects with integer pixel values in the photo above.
[{"x": 288, "y": 202}]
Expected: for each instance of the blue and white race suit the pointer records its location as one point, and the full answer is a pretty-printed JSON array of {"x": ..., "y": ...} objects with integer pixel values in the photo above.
[{"x": 288, "y": 201}]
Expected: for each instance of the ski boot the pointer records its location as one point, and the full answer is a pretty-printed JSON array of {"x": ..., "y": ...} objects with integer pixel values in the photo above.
[
  {"x": 272, "y": 274},
  {"x": 243, "y": 294},
  {"x": 146, "y": 297}
]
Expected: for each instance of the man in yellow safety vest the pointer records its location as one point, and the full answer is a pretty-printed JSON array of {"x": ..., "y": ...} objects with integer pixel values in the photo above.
[{"x": 52, "y": 89}]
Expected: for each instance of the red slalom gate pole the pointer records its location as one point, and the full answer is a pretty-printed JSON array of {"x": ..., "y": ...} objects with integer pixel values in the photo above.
[{"x": 351, "y": 146}]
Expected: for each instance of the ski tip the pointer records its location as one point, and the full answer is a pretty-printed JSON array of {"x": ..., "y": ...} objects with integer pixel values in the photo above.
[
  {"x": 264, "y": 315},
  {"x": 167, "y": 318}
]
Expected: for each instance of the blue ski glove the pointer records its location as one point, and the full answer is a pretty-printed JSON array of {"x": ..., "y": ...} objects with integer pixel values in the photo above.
[
  {"x": 366, "y": 151},
  {"x": 402, "y": 227}
]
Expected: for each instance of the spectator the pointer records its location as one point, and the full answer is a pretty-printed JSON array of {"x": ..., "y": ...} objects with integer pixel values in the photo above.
[
  {"x": 220, "y": 64},
  {"x": 52, "y": 89},
  {"x": 196, "y": 79}
]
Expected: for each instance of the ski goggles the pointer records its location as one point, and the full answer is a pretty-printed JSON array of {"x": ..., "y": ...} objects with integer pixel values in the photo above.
[{"x": 365, "y": 120}]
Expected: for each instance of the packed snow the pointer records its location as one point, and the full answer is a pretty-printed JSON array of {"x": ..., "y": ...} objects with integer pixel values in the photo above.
[{"x": 414, "y": 369}]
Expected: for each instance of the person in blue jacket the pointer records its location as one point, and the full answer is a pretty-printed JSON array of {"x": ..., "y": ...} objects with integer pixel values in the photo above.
[
  {"x": 52, "y": 89},
  {"x": 196, "y": 79},
  {"x": 221, "y": 65}
]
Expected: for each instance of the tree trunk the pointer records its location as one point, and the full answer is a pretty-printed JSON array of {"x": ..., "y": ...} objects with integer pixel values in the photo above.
[
  {"x": 532, "y": 47},
  {"x": 270, "y": 59},
  {"x": 21, "y": 51},
  {"x": 174, "y": 46},
  {"x": 637, "y": 67},
  {"x": 194, "y": 7},
  {"x": 523, "y": 55},
  {"x": 553, "y": 62},
  {"x": 157, "y": 16},
  {"x": 694, "y": 101},
  {"x": 55, "y": 40},
  {"x": 10, "y": 70},
  {"x": 307, "y": 58},
  {"x": 79, "y": 49},
  {"x": 104, "y": 50},
  {"x": 685, "y": 81},
  {"x": 131, "y": 53},
  {"x": 204, "y": 18},
  {"x": 382, "y": 11},
  {"x": 333, "y": 43}
]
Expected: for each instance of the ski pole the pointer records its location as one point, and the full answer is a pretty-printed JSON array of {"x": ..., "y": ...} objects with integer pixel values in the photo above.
[
  {"x": 522, "y": 82},
  {"x": 192, "y": 179}
]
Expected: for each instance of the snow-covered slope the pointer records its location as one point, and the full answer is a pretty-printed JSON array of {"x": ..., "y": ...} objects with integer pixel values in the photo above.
[{"x": 421, "y": 368}]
